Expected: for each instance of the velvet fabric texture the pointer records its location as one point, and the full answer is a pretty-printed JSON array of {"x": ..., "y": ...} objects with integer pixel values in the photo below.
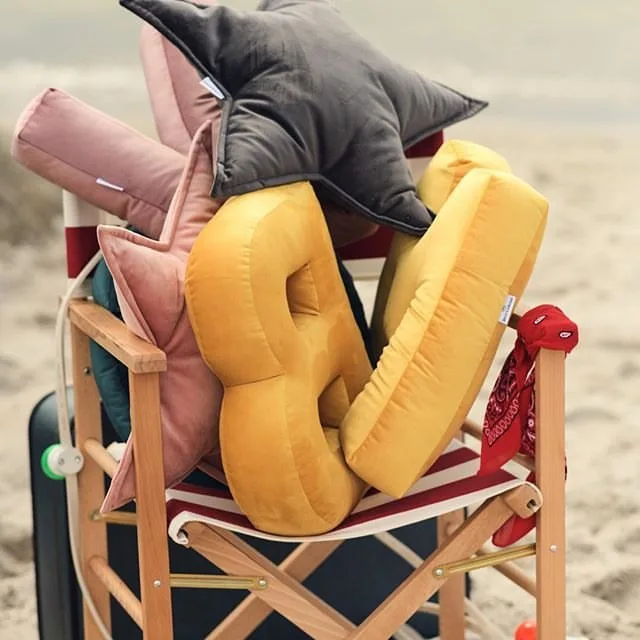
[
  {"x": 273, "y": 322},
  {"x": 100, "y": 159},
  {"x": 306, "y": 98},
  {"x": 450, "y": 287},
  {"x": 449, "y": 165},
  {"x": 149, "y": 277}
]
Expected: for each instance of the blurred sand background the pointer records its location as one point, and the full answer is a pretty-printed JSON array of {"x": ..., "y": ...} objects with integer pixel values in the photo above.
[{"x": 563, "y": 80}]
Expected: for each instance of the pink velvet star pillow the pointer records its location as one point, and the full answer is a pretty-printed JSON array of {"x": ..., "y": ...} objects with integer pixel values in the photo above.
[
  {"x": 180, "y": 103},
  {"x": 149, "y": 279}
]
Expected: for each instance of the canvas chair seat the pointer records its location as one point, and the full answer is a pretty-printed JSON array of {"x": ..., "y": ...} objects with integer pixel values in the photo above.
[{"x": 450, "y": 484}]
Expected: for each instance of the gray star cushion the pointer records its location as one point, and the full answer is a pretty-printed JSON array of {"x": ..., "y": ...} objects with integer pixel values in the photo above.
[{"x": 306, "y": 98}]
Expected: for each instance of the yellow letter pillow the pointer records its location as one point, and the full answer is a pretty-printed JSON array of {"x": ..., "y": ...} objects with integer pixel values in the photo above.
[
  {"x": 273, "y": 322},
  {"x": 453, "y": 160},
  {"x": 480, "y": 249}
]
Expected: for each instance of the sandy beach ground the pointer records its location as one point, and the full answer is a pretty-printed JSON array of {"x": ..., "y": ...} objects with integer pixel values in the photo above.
[{"x": 585, "y": 161}]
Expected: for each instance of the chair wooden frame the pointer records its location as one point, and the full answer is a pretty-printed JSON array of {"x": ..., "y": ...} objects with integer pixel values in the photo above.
[{"x": 279, "y": 588}]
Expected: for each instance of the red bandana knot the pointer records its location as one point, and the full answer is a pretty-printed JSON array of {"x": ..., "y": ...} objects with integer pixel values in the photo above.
[{"x": 509, "y": 425}]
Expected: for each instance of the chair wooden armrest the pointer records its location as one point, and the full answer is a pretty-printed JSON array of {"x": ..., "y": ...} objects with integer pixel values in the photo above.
[
  {"x": 145, "y": 362},
  {"x": 111, "y": 334}
]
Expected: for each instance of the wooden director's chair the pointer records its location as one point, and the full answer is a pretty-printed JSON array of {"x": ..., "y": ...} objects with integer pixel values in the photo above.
[{"x": 210, "y": 523}]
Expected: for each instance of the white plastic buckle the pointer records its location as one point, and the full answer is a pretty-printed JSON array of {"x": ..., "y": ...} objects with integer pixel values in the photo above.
[{"x": 65, "y": 461}]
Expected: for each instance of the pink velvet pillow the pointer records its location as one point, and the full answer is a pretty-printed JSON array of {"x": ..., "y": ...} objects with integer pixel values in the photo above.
[
  {"x": 100, "y": 159},
  {"x": 179, "y": 102},
  {"x": 149, "y": 278}
]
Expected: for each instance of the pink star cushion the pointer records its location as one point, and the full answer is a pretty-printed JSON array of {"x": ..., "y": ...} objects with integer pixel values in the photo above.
[{"x": 149, "y": 278}]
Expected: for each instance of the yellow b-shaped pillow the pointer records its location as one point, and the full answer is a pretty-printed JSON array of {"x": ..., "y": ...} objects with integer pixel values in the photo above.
[
  {"x": 272, "y": 320},
  {"x": 442, "y": 316}
]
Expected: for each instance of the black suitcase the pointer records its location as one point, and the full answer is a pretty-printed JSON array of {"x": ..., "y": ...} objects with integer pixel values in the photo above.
[{"x": 354, "y": 580}]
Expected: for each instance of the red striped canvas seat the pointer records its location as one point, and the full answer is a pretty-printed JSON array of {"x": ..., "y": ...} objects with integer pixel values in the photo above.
[{"x": 451, "y": 483}]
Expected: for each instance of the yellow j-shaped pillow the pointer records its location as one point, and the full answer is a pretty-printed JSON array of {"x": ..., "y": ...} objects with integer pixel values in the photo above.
[
  {"x": 480, "y": 249},
  {"x": 272, "y": 321}
]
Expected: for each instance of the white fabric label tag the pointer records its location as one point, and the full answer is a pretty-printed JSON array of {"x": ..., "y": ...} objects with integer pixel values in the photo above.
[
  {"x": 103, "y": 183},
  {"x": 507, "y": 309},
  {"x": 212, "y": 87}
]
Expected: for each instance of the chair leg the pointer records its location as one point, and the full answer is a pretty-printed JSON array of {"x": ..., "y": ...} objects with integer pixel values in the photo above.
[
  {"x": 284, "y": 594},
  {"x": 151, "y": 513},
  {"x": 550, "y": 478},
  {"x": 423, "y": 583},
  {"x": 252, "y": 611},
  {"x": 93, "y": 535},
  {"x": 451, "y": 595}
]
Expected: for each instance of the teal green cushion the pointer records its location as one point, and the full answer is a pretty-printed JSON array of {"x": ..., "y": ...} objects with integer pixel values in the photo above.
[{"x": 111, "y": 376}]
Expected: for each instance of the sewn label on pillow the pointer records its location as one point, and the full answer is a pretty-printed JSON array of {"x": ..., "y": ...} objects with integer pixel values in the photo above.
[
  {"x": 212, "y": 87},
  {"x": 105, "y": 183},
  {"x": 507, "y": 309}
]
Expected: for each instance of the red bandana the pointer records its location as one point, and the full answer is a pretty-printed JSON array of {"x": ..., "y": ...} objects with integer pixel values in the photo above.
[{"x": 509, "y": 423}]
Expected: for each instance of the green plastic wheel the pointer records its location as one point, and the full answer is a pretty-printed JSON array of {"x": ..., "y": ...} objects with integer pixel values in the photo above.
[{"x": 46, "y": 467}]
